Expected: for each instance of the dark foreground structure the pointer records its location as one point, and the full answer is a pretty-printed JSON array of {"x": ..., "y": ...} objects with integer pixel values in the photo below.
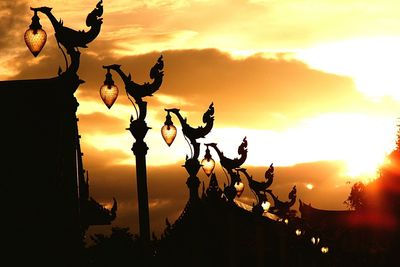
[
  {"x": 44, "y": 187},
  {"x": 47, "y": 206},
  {"x": 217, "y": 232}
]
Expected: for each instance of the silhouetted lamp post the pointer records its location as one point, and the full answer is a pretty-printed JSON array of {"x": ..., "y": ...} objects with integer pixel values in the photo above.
[
  {"x": 235, "y": 186},
  {"x": 35, "y": 37},
  {"x": 68, "y": 197},
  {"x": 192, "y": 164},
  {"x": 261, "y": 189},
  {"x": 138, "y": 128}
]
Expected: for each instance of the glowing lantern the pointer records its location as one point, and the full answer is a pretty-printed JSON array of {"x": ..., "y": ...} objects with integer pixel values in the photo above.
[
  {"x": 35, "y": 37},
  {"x": 265, "y": 205},
  {"x": 314, "y": 240},
  {"x": 324, "y": 250},
  {"x": 168, "y": 131},
  {"x": 208, "y": 163},
  {"x": 239, "y": 186},
  {"x": 109, "y": 91},
  {"x": 298, "y": 232}
]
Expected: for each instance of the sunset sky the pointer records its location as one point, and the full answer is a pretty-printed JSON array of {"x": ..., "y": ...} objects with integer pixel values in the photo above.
[{"x": 313, "y": 85}]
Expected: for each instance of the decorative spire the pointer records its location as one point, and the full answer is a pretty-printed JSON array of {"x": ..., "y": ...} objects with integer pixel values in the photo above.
[{"x": 213, "y": 190}]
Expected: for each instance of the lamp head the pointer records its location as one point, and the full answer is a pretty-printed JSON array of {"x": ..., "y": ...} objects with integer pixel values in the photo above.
[
  {"x": 208, "y": 163},
  {"x": 109, "y": 91},
  {"x": 168, "y": 131},
  {"x": 239, "y": 186},
  {"x": 35, "y": 37}
]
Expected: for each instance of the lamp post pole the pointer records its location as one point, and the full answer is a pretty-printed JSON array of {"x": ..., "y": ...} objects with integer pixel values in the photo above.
[
  {"x": 192, "y": 164},
  {"x": 138, "y": 128}
]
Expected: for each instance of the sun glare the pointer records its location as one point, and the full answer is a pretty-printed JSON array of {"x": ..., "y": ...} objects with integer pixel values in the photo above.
[
  {"x": 372, "y": 63},
  {"x": 359, "y": 140},
  {"x": 310, "y": 186}
]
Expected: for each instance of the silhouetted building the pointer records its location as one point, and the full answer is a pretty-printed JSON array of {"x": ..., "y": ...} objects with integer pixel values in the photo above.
[
  {"x": 369, "y": 235},
  {"x": 44, "y": 187},
  {"x": 213, "y": 231},
  {"x": 356, "y": 238}
]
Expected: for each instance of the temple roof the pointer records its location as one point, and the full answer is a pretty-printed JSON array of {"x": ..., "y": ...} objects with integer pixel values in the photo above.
[{"x": 321, "y": 218}]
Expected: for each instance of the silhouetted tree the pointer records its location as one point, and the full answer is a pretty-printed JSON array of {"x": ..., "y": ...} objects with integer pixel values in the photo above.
[{"x": 357, "y": 199}]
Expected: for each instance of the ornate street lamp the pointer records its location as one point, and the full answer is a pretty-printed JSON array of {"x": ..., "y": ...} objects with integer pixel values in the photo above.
[
  {"x": 261, "y": 190},
  {"x": 72, "y": 199},
  {"x": 192, "y": 164},
  {"x": 66, "y": 37},
  {"x": 138, "y": 128},
  {"x": 235, "y": 186},
  {"x": 35, "y": 37}
]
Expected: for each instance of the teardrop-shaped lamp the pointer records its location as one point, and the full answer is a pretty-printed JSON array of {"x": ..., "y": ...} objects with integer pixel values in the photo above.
[
  {"x": 109, "y": 94},
  {"x": 298, "y": 232},
  {"x": 109, "y": 91},
  {"x": 35, "y": 37},
  {"x": 208, "y": 163},
  {"x": 265, "y": 205},
  {"x": 324, "y": 250},
  {"x": 168, "y": 132},
  {"x": 208, "y": 166},
  {"x": 239, "y": 186}
]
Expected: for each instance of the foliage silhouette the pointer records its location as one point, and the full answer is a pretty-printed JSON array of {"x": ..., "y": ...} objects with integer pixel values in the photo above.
[
  {"x": 378, "y": 205},
  {"x": 120, "y": 248},
  {"x": 357, "y": 200}
]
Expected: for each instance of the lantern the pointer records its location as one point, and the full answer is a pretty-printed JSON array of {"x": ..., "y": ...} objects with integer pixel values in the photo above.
[
  {"x": 108, "y": 91},
  {"x": 168, "y": 131},
  {"x": 314, "y": 240},
  {"x": 208, "y": 164},
  {"x": 239, "y": 186},
  {"x": 324, "y": 250},
  {"x": 265, "y": 205},
  {"x": 298, "y": 232},
  {"x": 35, "y": 37}
]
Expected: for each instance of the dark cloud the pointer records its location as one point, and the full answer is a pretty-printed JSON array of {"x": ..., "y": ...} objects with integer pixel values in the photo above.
[
  {"x": 13, "y": 23},
  {"x": 166, "y": 186},
  {"x": 101, "y": 123},
  {"x": 330, "y": 188},
  {"x": 15, "y": 19},
  {"x": 245, "y": 92},
  {"x": 254, "y": 92},
  {"x": 168, "y": 192}
]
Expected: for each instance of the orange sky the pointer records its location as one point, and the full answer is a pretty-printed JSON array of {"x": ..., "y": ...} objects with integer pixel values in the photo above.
[{"x": 312, "y": 84}]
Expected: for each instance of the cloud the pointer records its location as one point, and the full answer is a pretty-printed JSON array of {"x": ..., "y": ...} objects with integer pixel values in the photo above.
[
  {"x": 250, "y": 25},
  {"x": 278, "y": 90},
  {"x": 14, "y": 22},
  {"x": 168, "y": 192},
  {"x": 109, "y": 125}
]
